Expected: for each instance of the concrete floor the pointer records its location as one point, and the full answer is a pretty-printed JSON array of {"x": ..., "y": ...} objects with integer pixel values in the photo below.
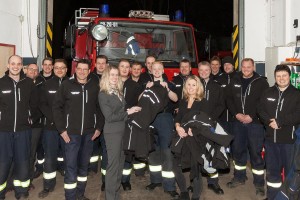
[{"x": 93, "y": 192}]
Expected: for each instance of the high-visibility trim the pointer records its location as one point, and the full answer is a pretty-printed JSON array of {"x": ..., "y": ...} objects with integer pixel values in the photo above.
[
  {"x": 139, "y": 166},
  {"x": 237, "y": 167},
  {"x": 23, "y": 184},
  {"x": 60, "y": 159},
  {"x": 3, "y": 186},
  {"x": 100, "y": 157},
  {"x": 82, "y": 178},
  {"x": 103, "y": 171},
  {"x": 49, "y": 175},
  {"x": 167, "y": 174},
  {"x": 274, "y": 185},
  {"x": 70, "y": 186},
  {"x": 94, "y": 159},
  {"x": 216, "y": 175},
  {"x": 155, "y": 168},
  {"x": 258, "y": 172},
  {"x": 126, "y": 172},
  {"x": 41, "y": 161}
]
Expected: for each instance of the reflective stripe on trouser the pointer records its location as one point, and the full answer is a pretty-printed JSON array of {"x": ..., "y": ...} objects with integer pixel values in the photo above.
[
  {"x": 139, "y": 166},
  {"x": 248, "y": 138},
  {"x": 213, "y": 178},
  {"x": 40, "y": 162},
  {"x": 126, "y": 172},
  {"x": 15, "y": 146},
  {"x": 3, "y": 186},
  {"x": 51, "y": 141},
  {"x": 94, "y": 159},
  {"x": 77, "y": 156}
]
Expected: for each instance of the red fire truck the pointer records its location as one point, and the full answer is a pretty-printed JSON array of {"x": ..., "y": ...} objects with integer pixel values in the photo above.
[{"x": 142, "y": 33}]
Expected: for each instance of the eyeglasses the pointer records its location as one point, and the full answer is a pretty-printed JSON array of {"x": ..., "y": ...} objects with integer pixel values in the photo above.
[{"x": 59, "y": 68}]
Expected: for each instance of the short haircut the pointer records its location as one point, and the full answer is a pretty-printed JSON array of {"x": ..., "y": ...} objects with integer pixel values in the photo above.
[
  {"x": 123, "y": 60},
  {"x": 204, "y": 63},
  {"x": 102, "y": 57},
  {"x": 148, "y": 56},
  {"x": 136, "y": 63},
  {"x": 84, "y": 61},
  {"x": 216, "y": 58},
  {"x": 60, "y": 60},
  {"x": 248, "y": 60},
  {"x": 15, "y": 56},
  {"x": 285, "y": 68},
  {"x": 185, "y": 61},
  {"x": 47, "y": 58}
]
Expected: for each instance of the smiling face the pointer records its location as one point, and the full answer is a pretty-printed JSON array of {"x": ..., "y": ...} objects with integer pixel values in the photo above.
[
  {"x": 60, "y": 69},
  {"x": 215, "y": 66},
  {"x": 204, "y": 71},
  {"x": 32, "y": 71},
  {"x": 149, "y": 61},
  {"x": 124, "y": 68},
  {"x": 14, "y": 66},
  {"x": 100, "y": 65},
  {"x": 191, "y": 87},
  {"x": 47, "y": 67},
  {"x": 82, "y": 71},
  {"x": 282, "y": 79},
  {"x": 113, "y": 77},
  {"x": 136, "y": 70},
  {"x": 247, "y": 69},
  {"x": 185, "y": 68},
  {"x": 157, "y": 70}
]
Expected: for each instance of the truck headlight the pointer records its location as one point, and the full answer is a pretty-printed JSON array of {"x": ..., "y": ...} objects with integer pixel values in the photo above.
[{"x": 99, "y": 32}]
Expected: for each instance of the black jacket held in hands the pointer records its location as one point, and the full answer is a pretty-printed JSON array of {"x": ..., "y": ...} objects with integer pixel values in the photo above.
[
  {"x": 76, "y": 108},
  {"x": 247, "y": 105},
  {"x": 18, "y": 103},
  {"x": 284, "y": 107},
  {"x": 47, "y": 93}
]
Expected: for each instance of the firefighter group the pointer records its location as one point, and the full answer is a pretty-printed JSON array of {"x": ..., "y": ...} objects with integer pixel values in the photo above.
[{"x": 134, "y": 120}]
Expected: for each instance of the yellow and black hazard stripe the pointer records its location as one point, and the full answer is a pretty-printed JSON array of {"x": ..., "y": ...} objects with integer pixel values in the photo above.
[
  {"x": 235, "y": 45},
  {"x": 49, "y": 39}
]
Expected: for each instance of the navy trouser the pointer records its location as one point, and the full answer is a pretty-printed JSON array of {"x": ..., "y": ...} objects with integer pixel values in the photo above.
[
  {"x": 103, "y": 156},
  {"x": 77, "y": 157},
  {"x": 248, "y": 137},
  {"x": 51, "y": 141},
  {"x": 278, "y": 156},
  {"x": 60, "y": 155},
  {"x": 139, "y": 169},
  {"x": 15, "y": 146},
  {"x": 35, "y": 140},
  {"x": 40, "y": 155},
  {"x": 160, "y": 161},
  {"x": 95, "y": 156}
]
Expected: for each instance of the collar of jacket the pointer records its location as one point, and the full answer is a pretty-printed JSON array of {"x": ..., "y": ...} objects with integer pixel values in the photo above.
[{"x": 74, "y": 79}]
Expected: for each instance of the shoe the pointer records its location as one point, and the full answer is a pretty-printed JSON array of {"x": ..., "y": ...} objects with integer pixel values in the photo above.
[
  {"x": 152, "y": 186},
  {"x": 260, "y": 191},
  {"x": 126, "y": 186},
  {"x": 82, "y": 198},
  {"x": 103, "y": 187},
  {"x": 36, "y": 174},
  {"x": 216, "y": 188},
  {"x": 234, "y": 183},
  {"x": 44, "y": 193},
  {"x": 190, "y": 189},
  {"x": 173, "y": 194},
  {"x": 184, "y": 196}
]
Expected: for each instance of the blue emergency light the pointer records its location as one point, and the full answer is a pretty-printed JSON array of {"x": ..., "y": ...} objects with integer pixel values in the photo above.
[
  {"x": 104, "y": 10},
  {"x": 178, "y": 16}
]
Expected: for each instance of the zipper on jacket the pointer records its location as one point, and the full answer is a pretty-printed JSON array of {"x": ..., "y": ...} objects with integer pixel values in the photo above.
[
  {"x": 207, "y": 98},
  {"x": 67, "y": 121},
  {"x": 15, "y": 90},
  {"x": 86, "y": 96},
  {"x": 19, "y": 94},
  {"x": 243, "y": 100},
  {"x": 0, "y": 115},
  {"x": 82, "y": 116},
  {"x": 95, "y": 120},
  {"x": 293, "y": 132},
  {"x": 276, "y": 113},
  {"x": 129, "y": 142}
]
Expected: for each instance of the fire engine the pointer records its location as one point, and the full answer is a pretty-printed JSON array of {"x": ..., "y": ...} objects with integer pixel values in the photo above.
[{"x": 142, "y": 33}]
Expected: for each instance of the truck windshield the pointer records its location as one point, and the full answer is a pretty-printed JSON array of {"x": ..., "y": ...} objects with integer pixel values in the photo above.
[{"x": 134, "y": 41}]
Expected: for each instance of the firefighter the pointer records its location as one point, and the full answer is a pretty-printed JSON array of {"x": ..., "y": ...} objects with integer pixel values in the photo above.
[
  {"x": 213, "y": 94},
  {"x": 244, "y": 92},
  {"x": 46, "y": 74},
  {"x": 32, "y": 71},
  {"x": 51, "y": 139},
  {"x": 17, "y": 108},
  {"x": 76, "y": 115},
  {"x": 160, "y": 161},
  {"x": 99, "y": 143},
  {"x": 279, "y": 110},
  {"x": 131, "y": 93}
]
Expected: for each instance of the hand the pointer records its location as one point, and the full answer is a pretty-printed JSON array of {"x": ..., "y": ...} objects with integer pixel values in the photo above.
[
  {"x": 65, "y": 136},
  {"x": 273, "y": 124},
  {"x": 96, "y": 134},
  {"x": 247, "y": 119},
  {"x": 133, "y": 109},
  {"x": 240, "y": 117},
  {"x": 176, "y": 110},
  {"x": 149, "y": 84},
  {"x": 190, "y": 132},
  {"x": 181, "y": 132}
]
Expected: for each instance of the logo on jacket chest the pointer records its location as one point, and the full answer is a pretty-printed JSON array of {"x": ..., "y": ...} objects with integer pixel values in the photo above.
[
  {"x": 271, "y": 99},
  {"x": 52, "y": 91},
  {"x": 75, "y": 93},
  {"x": 6, "y": 91}
]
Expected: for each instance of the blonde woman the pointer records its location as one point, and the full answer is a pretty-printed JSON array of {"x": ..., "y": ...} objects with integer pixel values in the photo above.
[
  {"x": 193, "y": 101},
  {"x": 112, "y": 104}
]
